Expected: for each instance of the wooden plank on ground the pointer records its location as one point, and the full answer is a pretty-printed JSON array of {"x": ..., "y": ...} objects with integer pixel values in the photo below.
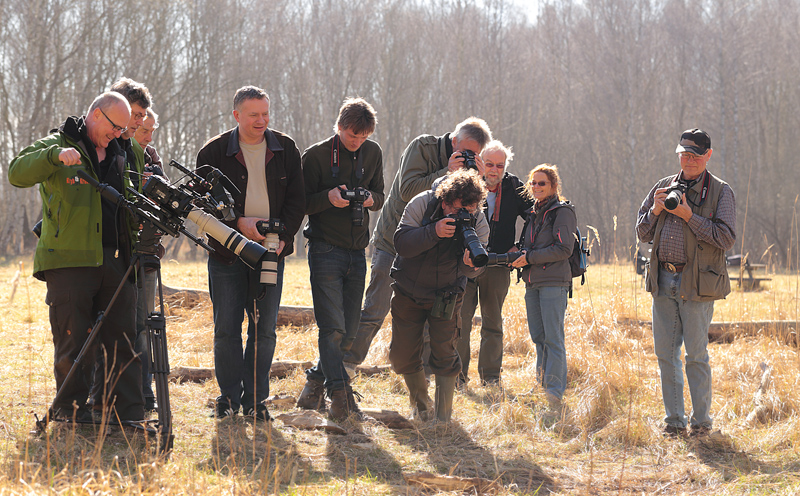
[
  {"x": 279, "y": 369},
  {"x": 470, "y": 485}
]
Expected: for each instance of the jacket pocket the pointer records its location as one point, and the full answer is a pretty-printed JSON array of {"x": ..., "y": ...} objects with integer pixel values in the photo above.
[{"x": 711, "y": 282}]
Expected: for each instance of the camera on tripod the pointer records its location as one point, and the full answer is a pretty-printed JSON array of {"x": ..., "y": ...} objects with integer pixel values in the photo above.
[
  {"x": 465, "y": 230},
  {"x": 270, "y": 229},
  {"x": 469, "y": 159},
  {"x": 503, "y": 258},
  {"x": 356, "y": 197},
  {"x": 675, "y": 195}
]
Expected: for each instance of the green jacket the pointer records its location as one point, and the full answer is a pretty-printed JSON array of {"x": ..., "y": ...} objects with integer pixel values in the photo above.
[
  {"x": 423, "y": 162},
  {"x": 71, "y": 212}
]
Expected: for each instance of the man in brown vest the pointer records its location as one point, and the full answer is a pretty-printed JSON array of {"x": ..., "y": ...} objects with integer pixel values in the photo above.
[{"x": 691, "y": 219}]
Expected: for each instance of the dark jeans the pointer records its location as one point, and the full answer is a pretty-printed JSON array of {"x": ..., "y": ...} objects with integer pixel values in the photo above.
[
  {"x": 243, "y": 377},
  {"x": 491, "y": 289},
  {"x": 337, "y": 284},
  {"x": 145, "y": 306},
  {"x": 408, "y": 322},
  {"x": 75, "y": 295},
  {"x": 376, "y": 308}
]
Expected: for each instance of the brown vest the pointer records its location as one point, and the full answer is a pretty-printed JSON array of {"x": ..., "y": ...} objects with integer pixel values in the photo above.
[{"x": 705, "y": 277}]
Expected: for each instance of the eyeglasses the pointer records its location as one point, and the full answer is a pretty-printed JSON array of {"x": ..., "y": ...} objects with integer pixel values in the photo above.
[
  {"x": 541, "y": 184},
  {"x": 115, "y": 128},
  {"x": 690, "y": 156},
  {"x": 497, "y": 166}
]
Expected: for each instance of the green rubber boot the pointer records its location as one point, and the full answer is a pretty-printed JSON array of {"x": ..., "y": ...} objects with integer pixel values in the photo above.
[
  {"x": 445, "y": 387},
  {"x": 421, "y": 404}
]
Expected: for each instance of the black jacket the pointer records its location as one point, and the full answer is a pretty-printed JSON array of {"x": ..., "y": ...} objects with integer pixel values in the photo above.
[
  {"x": 513, "y": 203},
  {"x": 287, "y": 199}
]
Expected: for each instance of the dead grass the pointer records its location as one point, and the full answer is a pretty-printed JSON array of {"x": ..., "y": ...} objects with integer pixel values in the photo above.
[{"x": 608, "y": 441}]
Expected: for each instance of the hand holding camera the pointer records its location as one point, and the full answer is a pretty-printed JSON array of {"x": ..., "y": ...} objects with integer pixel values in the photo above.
[{"x": 356, "y": 198}]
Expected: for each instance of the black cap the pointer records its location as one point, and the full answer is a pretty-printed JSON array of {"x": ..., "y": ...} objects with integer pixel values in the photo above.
[{"x": 695, "y": 141}]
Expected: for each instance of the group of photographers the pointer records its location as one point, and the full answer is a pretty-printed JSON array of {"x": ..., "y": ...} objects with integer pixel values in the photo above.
[{"x": 450, "y": 200}]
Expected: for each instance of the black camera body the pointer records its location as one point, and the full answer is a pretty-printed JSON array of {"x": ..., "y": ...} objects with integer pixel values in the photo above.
[
  {"x": 466, "y": 232},
  {"x": 356, "y": 197},
  {"x": 270, "y": 226},
  {"x": 469, "y": 159},
  {"x": 503, "y": 258},
  {"x": 675, "y": 195}
]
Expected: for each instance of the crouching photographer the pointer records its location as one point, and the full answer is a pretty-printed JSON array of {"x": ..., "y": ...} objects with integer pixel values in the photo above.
[{"x": 430, "y": 273}]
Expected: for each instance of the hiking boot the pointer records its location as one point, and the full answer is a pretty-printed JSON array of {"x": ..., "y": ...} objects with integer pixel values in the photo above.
[
  {"x": 674, "y": 431},
  {"x": 313, "y": 396},
  {"x": 82, "y": 415},
  {"x": 343, "y": 403},
  {"x": 421, "y": 403},
  {"x": 461, "y": 383},
  {"x": 445, "y": 388}
]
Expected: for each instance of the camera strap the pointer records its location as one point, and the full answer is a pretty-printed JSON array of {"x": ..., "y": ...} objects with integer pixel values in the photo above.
[
  {"x": 704, "y": 188},
  {"x": 335, "y": 160}
]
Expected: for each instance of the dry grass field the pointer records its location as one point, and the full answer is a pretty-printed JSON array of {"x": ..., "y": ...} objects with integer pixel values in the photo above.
[{"x": 609, "y": 442}]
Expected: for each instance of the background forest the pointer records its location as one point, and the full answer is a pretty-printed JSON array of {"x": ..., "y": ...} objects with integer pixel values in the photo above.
[{"x": 602, "y": 88}]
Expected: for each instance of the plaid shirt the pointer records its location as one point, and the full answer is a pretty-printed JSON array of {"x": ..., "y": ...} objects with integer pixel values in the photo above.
[{"x": 719, "y": 232}]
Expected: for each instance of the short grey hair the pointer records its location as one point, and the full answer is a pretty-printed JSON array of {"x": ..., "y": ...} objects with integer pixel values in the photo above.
[
  {"x": 248, "y": 93},
  {"x": 475, "y": 129},
  {"x": 152, "y": 115}
]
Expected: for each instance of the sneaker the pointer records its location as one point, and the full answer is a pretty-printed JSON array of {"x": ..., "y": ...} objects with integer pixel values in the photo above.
[
  {"x": 699, "y": 431},
  {"x": 674, "y": 431},
  {"x": 260, "y": 413},
  {"x": 313, "y": 396}
]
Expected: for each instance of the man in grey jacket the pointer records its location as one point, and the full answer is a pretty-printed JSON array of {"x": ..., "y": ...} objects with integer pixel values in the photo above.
[
  {"x": 430, "y": 273},
  {"x": 426, "y": 159}
]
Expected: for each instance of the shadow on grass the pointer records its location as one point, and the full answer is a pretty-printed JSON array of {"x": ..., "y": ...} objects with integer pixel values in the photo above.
[
  {"x": 719, "y": 452},
  {"x": 452, "y": 451}
]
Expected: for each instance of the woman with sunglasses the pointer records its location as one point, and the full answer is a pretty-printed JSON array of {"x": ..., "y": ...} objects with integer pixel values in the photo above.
[{"x": 548, "y": 240}]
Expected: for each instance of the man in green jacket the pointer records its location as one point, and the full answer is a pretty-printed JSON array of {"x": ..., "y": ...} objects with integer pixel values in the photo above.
[{"x": 84, "y": 250}]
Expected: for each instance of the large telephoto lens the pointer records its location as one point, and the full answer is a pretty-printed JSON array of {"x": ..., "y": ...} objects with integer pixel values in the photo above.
[
  {"x": 503, "y": 258},
  {"x": 269, "y": 264},
  {"x": 477, "y": 253}
]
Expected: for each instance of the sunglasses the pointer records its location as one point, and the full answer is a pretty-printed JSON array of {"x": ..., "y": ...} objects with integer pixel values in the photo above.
[{"x": 541, "y": 184}]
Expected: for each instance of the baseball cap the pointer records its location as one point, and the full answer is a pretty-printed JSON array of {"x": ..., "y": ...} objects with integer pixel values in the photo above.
[{"x": 695, "y": 141}]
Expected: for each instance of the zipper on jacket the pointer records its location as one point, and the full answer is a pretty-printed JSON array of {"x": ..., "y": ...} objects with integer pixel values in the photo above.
[{"x": 58, "y": 219}]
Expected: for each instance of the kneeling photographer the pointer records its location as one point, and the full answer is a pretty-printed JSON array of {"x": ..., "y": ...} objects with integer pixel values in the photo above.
[{"x": 436, "y": 253}]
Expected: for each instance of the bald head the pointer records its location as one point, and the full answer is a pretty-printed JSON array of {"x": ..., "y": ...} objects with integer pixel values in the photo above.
[{"x": 107, "y": 117}]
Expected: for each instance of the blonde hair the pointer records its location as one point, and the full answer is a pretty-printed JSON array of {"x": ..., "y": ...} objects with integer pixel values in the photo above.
[{"x": 551, "y": 171}]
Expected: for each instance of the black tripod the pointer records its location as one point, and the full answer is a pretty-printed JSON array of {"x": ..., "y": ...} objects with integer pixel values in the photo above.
[{"x": 155, "y": 326}]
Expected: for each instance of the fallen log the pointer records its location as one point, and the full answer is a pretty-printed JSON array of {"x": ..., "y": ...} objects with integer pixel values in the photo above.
[
  {"x": 389, "y": 418},
  {"x": 438, "y": 482},
  {"x": 370, "y": 370},
  {"x": 785, "y": 331},
  {"x": 288, "y": 315},
  {"x": 309, "y": 420},
  {"x": 279, "y": 369}
]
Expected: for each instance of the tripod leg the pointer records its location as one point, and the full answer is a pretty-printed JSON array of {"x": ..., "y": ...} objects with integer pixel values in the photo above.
[{"x": 157, "y": 339}]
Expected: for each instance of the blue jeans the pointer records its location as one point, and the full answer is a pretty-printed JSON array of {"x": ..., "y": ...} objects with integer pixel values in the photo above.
[
  {"x": 145, "y": 306},
  {"x": 243, "y": 377},
  {"x": 337, "y": 285},
  {"x": 675, "y": 322},
  {"x": 376, "y": 307},
  {"x": 546, "y": 307}
]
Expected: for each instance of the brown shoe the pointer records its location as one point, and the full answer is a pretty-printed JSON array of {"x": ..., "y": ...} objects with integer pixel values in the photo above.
[
  {"x": 674, "y": 431},
  {"x": 312, "y": 397},
  {"x": 343, "y": 403}
]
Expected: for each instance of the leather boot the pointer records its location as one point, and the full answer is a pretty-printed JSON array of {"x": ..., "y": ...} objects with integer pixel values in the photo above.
[
  {"x": 343, "y": 403},
  {"x": 445, "y": 387},
  {"x": 421, "y": 404},
  {"x": 313, "y": 396}
]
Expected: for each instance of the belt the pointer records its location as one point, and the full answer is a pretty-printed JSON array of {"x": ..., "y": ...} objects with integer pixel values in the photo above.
[{"x": 674, "y": 268}]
